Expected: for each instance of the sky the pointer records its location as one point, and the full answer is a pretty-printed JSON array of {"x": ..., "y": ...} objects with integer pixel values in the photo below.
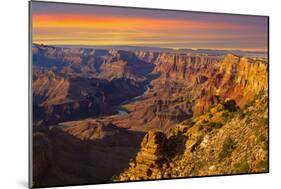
[{"x": 69, "y": 24}]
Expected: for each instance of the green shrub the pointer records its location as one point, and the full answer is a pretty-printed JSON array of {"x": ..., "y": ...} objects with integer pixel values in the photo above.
[
  {"x": 227, "y": 148},
  {"x": 241, "y": 114},
  {"x": 115, "y": 178},
  {"x": 213, "y": 125},
  {"x": 209, "y": 126},
  {"x": 230, "y": 105},
  {"x": 264, "y": 122},
  {"x": 197, "y": 143},
  {"x": 200, "y": 127},
  {"x": 227, "y": 115},
  {"x": 217, "y": 125},
  {"x": 260, "y": 94},
  {"x": 262, "y": 139},
  {"x": 263, "y": 166},
  {"x": 242, "y": 167},
  {"x": 188, "y": 122}
]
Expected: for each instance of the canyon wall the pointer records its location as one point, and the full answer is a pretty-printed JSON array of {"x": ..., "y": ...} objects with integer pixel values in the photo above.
[
  {"x": 210, "y": 78},
  {"x": 188, "y": 104}
]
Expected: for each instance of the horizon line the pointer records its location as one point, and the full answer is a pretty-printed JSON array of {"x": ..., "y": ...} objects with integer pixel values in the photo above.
[{"x": 172, "y": 48}]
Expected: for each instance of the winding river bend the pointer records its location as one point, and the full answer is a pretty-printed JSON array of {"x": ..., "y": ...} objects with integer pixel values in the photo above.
[{"x": 122, "y": 111}]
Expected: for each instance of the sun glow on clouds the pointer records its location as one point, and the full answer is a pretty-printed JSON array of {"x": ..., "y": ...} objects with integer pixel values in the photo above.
[{"x": 90, "y": 29}]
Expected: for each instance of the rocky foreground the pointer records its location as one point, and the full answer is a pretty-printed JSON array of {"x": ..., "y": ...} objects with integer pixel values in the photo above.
[{"x": 226, "y": 140}]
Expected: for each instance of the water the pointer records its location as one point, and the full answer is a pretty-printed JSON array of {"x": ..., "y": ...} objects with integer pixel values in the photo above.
[{"x": 121, "y": 111}]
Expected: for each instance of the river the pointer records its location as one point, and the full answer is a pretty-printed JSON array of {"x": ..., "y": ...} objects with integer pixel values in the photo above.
[{"x": 121, "y": 111}]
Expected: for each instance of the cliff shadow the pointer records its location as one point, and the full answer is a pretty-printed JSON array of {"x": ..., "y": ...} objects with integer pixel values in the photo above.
[{"x": 71, "y": 161}]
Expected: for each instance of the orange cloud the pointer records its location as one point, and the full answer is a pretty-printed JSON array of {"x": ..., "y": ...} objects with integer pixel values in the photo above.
[
  {"x": 64, "y": 28},
  {"x": 118, "y": 23}
]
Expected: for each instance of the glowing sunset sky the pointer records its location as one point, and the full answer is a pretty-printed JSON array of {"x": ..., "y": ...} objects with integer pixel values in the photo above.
[{"x": 67, "y": 24}]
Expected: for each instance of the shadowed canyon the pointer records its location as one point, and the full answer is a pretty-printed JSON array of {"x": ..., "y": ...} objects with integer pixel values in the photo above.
[{"x": 103, "y": 115}]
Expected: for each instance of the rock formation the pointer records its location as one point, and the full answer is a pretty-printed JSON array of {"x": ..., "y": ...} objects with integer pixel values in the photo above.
[
  {"x": 66, "y": 157},
  {"x": 57, "y": 98},
  {"x": 203, "y": 82},
  {"x": 42, "y": 159},
  {"x": 150, "y": 158},
  {"x": 226, "y": 140}
]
